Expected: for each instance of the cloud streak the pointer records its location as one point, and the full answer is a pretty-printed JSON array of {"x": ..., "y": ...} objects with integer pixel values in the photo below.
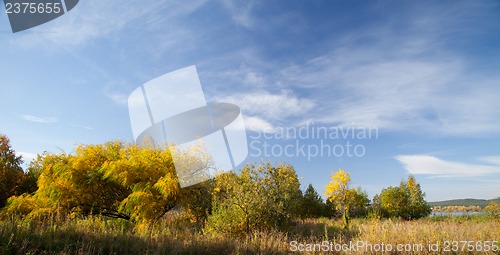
[
  {"x": 94, "y": 19},
  {"x": 37, "y": 119},
  {"x": 117, "y": 98},
  {"x": 81, "y": 126},
  {"x": 268, "y": 106},
  {"x": 431, "y": 165},
  {"x": 241, "y": 13}
]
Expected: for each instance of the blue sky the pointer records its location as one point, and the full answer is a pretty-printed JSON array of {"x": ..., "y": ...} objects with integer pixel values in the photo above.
[{"x": 424, "y": 74}]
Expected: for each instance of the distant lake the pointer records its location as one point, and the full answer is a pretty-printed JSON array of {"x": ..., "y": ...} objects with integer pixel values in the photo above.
[{"x": 454, "y": 213}]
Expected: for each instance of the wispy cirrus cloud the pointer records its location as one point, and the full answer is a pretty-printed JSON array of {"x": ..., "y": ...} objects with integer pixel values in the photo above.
[
  {"x": 81, "y": 126},
  {"x": 94, "y": 19},
  {"x": 434, "y": 166},
  {"x": 241, "y": 13},
  {"x": 116, "y": 97},
  {"x": 398, "y": 77},
  {"x": 270, "y": 106},
  {"x": 400, "y": 90},
  {"x": 38, "y": 119},
  {"x": 492, "y": 160}
]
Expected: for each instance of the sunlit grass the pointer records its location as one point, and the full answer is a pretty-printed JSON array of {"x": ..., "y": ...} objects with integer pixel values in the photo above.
[{"x": 96, "y": 235}]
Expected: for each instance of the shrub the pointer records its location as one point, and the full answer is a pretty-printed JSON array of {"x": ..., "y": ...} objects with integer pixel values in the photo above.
[{"x": 260, "y": 197}]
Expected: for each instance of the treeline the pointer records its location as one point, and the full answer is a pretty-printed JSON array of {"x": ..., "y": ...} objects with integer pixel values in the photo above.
[
  {"x": 125, "y": 181},
  {"x": 405, "y": 201},
  {"x": 465, "y": 202},
  {"x": 457, "y": 208}
]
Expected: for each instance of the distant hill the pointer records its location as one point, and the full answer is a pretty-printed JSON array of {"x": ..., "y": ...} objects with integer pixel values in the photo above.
[{"x": 465, "y": 202}]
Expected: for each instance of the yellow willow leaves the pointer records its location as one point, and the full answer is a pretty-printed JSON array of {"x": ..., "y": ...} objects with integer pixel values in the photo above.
[
  {"x": 167, "y": 185},
  {"x": 114, "y": 179},
  {"x": 141, "y": 205}
]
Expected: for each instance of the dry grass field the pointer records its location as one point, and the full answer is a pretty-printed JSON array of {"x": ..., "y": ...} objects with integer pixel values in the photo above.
[{"x": 96, "y": 235}]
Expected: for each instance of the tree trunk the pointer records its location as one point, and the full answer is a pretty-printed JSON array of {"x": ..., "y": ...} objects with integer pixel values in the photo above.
[{"x": 345, "y": 218}]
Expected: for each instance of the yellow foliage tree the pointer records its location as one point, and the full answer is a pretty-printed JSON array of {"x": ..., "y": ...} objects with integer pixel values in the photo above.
[
  {"x": 340, "y": 192},
  {"x": 493, "y": 209},
  {"x": 113, "y": 179}
]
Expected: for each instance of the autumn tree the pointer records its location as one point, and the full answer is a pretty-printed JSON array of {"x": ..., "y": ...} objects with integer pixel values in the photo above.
[
  {"x": 418, "y": 207},
  {"x": 259, "y": 197},
  {"x": 406, "y": 201},
  {"x": 339, "y": 191},
  {"x": 114, "y": 179},
  {"x": 11, "y": 172},
  {"x": 493, "y": 209}
]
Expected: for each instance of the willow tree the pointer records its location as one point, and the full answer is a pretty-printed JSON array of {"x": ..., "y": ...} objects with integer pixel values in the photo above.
[{"x": 114, "y": 179}]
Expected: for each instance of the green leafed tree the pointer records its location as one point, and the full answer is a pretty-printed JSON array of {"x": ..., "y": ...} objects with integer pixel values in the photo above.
[
  {"x": 360, "y": 204},
  {"x": 418, "y": 207},
  {"x": 406, "y": 201},
  {"x": 259, "y": 197}
]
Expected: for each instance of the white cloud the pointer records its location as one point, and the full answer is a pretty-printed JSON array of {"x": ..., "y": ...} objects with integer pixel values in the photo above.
[
  {"x": 270, "y": 106},
  {"x": 397, "y": 77},
  {"x": 241, "y": 13},
  {"x": 248, "y": 15},
  {"x": 44, "y": 120},
  {"x": 27, "y": 156},
  {"x": 492, "y": 160},
  {"x": 118, "y": 98},
  {"x": 430, "y": 165},
  {"x": 81, "y": 126},
  {"x": 399, "y": 82},
  {"x": 93, "y": 19},
  {"x": 245, "y": 76},
  {"x": 258, "y": 125}
]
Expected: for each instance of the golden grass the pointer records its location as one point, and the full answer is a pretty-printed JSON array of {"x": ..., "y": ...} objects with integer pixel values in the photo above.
[{"x": 97, "y": 235}]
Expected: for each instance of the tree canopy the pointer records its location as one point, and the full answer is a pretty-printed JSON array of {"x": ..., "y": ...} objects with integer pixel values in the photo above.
[
  {"x": 121, "y": 180},
  {"x": 345, "y": 198},
  {"x": 406, "y": 201},
  {"x": 260, "y": 196},
  {"x": 312, "y": 205},
  {"x": 114, "y": 179}
]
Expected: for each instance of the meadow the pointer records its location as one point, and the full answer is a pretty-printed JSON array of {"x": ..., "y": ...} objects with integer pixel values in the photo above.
[{"x": 176, "y": 235}]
